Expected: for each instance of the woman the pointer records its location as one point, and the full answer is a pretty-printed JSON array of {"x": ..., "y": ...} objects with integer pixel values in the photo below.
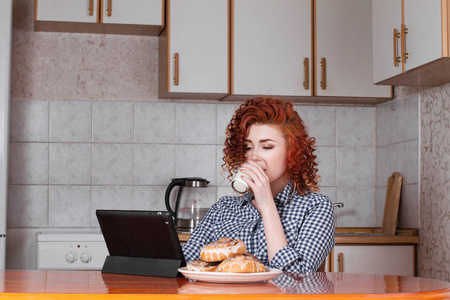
[{"x": 281, "y": 220}]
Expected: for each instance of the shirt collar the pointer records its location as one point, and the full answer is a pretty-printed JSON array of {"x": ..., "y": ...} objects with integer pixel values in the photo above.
[{"x": 285, "y": 196}]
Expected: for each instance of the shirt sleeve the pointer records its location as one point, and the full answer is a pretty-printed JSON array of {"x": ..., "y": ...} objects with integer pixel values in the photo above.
[
  {"x": 203, "y": 234},
  {"x": 314, "y": 242}
]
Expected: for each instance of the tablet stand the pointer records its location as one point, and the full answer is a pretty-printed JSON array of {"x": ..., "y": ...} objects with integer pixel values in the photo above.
[{"x": 142, "y": 266}]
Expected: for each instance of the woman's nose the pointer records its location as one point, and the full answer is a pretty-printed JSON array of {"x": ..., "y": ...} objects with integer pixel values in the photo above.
[{"x": 253, "y": 155}]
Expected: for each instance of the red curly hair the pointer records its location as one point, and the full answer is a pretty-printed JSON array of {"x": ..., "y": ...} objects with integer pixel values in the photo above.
[{"x": 301, "y": 164}]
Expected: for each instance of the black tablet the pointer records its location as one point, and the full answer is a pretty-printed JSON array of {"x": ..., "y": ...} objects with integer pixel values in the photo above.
[{"x": 140, "y": 242}]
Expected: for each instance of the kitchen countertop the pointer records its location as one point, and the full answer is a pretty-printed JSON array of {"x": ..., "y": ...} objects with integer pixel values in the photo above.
[
  {"x": 362, "y": 235},
  {"x": 43, "y": 284},
  {"x": 368, "y": 235}
]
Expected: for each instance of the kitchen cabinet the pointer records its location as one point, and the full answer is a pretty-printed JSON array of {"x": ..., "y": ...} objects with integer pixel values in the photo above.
[
  {"x": 137, "y": 12},
  {"x": 411, "y": 42},
  {"x": 271, "y": 42},
  {"x": 304, "y": 50},
  {"x": 374, "y": 259},
  {"x": 193, "y": 50},
  {"x": 343, "y": 47},
  {"x": 141, "y": 17}
]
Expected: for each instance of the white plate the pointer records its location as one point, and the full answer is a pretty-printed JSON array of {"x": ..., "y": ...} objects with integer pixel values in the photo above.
[{"x": 219, "y": 277}]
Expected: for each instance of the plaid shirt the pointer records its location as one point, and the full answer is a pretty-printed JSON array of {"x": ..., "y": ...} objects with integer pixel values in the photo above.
[{"x": 308, "y": 223}]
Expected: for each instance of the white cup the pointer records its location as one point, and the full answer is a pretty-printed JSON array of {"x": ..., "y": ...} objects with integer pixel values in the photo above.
[{"x": 239, "y": 185}]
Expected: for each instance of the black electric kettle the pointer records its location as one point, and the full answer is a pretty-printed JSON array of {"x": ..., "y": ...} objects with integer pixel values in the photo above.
[{"x": 191, "y": 204}]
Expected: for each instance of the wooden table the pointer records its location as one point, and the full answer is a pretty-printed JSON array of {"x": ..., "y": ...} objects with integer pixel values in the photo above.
[{"x": 97, "y": 285}]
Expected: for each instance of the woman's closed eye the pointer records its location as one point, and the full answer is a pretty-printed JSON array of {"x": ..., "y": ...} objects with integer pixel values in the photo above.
[{"x": 268, "y": 147}]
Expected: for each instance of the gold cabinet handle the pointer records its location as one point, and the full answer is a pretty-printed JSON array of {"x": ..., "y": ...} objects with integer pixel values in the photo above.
[
  {"x": 404, "y": 32},
  {"x": 91, "y": 8},
  {"x": 306, "y": 67},
  {"x": 176, "y": 61},
  {"x": 323, "y": 83},
  {"x": 340, "y": 259},
  {"x": 109, "y": 9},
  {"x": 397, "y": 59}
]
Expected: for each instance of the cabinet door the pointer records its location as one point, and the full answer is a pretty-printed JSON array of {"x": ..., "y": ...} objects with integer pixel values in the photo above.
[
  {"x": 85, "y": 11},
  {"x": 379, "y": 259},
  {"x": 424, "y": 38},
  {"x": 198, "y": 33},
  {"x": 344, "y": 39},
  {"x": 271, "y": 39},
  {"x": 137, "y": 12},
  {"x": 386, "y": 17}
]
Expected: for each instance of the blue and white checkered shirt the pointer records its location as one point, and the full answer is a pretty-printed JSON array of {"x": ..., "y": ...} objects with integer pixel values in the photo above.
[{"x": 308, "y": 223}]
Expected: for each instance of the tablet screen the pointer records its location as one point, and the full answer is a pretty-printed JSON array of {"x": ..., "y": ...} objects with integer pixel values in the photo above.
[{"x": 135, "y": 233}]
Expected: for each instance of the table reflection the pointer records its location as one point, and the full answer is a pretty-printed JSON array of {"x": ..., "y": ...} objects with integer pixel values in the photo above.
[
  {"x": 198, "y": 287},
  {"x": 136, "y": 284},
  {"x": 285, "y": 283},
  {"x": 304, "y": 283}
]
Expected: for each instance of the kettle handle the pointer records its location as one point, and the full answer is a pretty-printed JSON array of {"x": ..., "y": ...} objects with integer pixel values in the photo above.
[{"x": 174, "y": 183}]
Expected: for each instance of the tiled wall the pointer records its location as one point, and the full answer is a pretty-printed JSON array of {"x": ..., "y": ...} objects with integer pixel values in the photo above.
[
  {"x": 346, "y": 155},
  {"x": 68, "y": 158},
  {"x": 398, "y": 151},
  {"x": 88, "y": 155}
]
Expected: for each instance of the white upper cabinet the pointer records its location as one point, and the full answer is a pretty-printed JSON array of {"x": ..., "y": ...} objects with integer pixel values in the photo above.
[
  {"x": 138, "y": 12},
  {"x": 271, "y": 41},
  {"x": 344, "y": 49},
  {"x": 143, "y": 17},
  {"x": 67, "y": 10},
  {"x": 411, "y": 42},
  {"x": 278, "y": 50},
  {"x": 386, "y": 26},
  {"x": 193, "y": 50},
  {"x": 424, "y": 37}
]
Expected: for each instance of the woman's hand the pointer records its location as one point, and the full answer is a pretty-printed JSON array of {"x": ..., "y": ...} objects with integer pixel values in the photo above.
[
  {"x": 260, "y": 185},
  {"x": 263, "y": 201}
]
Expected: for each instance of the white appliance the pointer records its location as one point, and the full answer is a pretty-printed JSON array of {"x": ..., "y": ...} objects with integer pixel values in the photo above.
[
  {"x": 5, "y": 70},
  {"x": 71, "y": 251}
]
